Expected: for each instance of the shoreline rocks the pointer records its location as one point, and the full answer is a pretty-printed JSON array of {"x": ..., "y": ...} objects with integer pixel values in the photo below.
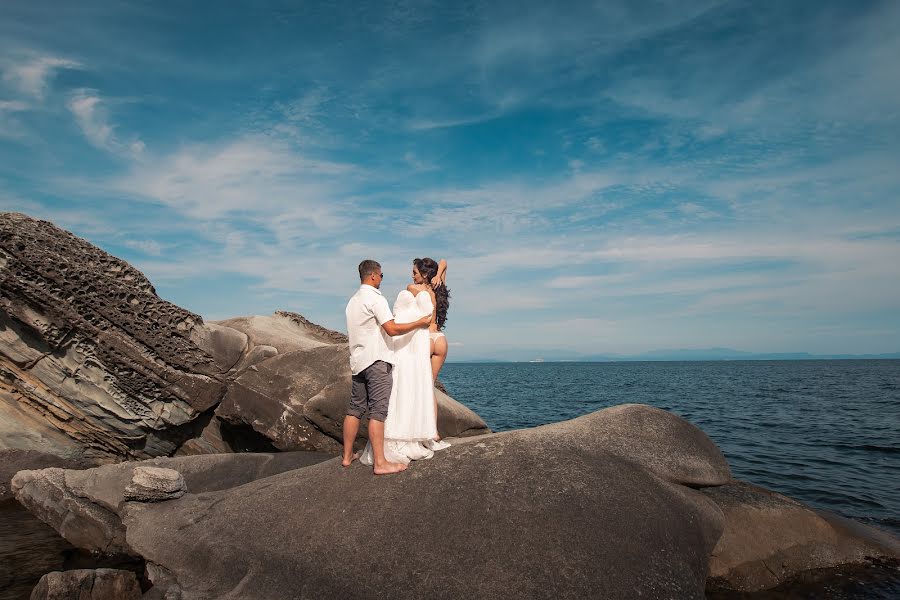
[
  {"x": 88, "y": 584},
  {"x": 769, "y": 538},
  {"x": 96, "y": 368},
  {"x": 627, "y": 501}
]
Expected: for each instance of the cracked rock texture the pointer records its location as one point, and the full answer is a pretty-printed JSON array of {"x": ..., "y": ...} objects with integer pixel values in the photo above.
[
  {"x": 92, "y": 361},
  {"x": 95, "y": 367}
]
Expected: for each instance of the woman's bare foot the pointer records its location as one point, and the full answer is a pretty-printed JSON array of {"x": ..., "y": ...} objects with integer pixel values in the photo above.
[
  {"x": 349, "y": 461},
  {"x": 389, "y": 467}
]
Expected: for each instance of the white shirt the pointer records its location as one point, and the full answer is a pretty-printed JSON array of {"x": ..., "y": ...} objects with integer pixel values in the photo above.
[{"x": 366, "y": 312}]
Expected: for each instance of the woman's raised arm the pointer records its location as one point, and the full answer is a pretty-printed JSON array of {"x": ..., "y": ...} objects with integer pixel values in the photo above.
[{"x": 441, "y": 277}]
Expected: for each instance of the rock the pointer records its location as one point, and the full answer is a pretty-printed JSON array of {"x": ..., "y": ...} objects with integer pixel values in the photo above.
[
  {"x": 84, "y": 505},
  {"x": 88, "y": 584},
  {"x": 226, "y": 345},
  {"x": 255, "y": 356},
  {"x": 95, "y": 366},
  {"x": 298, "y": 399},
  {"x": 548, "y": 512},
  {"x": 271, "y": 399},
  {"x": 210, "y": 441},
  {"x": 665, "y": 444},
  {"x": 155, "y": 484},
  {"x": 82, "y": 522},
  {"x": 285, "y": 332},
  {"x": 15, "y": 460},
  {"x": 769, "y": 538},
  {"x": 88, "y": 348}
]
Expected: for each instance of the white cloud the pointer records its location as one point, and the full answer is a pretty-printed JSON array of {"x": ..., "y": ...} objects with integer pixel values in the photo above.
[
  {"x": 148, "y": 247},
  {"x": 12, "y": 106},
  {"x": 32, "y": 76},
  {"x": 91, "y": 115},
  {"x": 258, "y": 177}
]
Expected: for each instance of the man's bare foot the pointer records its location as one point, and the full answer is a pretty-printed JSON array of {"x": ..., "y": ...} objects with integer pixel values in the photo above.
[
  {"x": 389, "y": 467},
  {"x": 349, "y": 461}
]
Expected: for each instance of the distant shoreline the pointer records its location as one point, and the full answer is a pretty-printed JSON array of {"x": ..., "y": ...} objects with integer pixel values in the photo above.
[{"x": 477, "y": 361}]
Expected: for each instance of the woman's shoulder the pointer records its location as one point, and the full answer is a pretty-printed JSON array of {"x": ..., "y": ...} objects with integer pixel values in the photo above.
[{"x": 415, "y": 288}]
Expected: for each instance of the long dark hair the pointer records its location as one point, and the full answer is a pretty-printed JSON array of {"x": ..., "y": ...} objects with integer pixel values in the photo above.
[{"x": 427, "y": 268}]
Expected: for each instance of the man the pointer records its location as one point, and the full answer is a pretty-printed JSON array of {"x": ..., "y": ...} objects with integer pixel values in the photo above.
[{"x": 369, "y": 323}]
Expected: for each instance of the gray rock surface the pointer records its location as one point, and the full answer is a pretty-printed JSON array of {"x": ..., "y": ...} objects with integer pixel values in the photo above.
[
  {"x": 668, "y": 446},
  {"x": 88, "y": 584},
  {"x": 82, "y": 522},
  {"x": 84, "y": 505},
  {"x": 14, "y": 460},
  {"x": 297, "y": 400},
  {"x": 605, "y": 505},
  {"x": 155, "y": 484},
  {"x": 548, "y": 512},
  {"x": 769, "y": 538}
]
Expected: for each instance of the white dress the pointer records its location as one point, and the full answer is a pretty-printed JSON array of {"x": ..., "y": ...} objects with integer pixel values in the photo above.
[{"x": 410, "y": 419}]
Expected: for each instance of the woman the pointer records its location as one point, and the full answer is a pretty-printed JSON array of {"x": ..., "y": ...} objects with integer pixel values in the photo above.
[{"x": 430, "y": 276}]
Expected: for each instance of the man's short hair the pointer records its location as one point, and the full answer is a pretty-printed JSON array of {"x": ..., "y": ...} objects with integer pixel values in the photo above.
[{"x": 367, "y": 267}]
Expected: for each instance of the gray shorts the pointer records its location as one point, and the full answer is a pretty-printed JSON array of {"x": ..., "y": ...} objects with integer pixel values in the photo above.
[{"x": 371, "y": 391}]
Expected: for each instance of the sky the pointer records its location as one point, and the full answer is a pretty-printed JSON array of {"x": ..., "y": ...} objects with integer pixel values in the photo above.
[{"x": 614, "y": 177}]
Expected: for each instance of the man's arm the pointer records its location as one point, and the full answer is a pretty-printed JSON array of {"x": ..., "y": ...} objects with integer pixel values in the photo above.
[
  {"x": 384, "y": 316},
  {"x": 393, "y": 328}
]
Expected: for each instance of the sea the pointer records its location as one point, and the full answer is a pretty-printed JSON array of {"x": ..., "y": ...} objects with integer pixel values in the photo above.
[{"x": 825, "y": 432}]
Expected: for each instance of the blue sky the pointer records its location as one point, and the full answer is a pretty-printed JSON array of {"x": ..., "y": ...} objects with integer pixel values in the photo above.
[{"x": 604, "y": 178}]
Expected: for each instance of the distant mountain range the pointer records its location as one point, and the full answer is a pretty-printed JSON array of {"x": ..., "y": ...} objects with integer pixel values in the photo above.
[{"x": 532, "y": 355}]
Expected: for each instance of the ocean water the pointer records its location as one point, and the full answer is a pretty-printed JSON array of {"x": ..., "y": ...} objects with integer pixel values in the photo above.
[{"x": 826, "y": 432}]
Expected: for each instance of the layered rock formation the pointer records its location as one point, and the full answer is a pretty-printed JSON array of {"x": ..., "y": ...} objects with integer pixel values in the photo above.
[
  {"x": 110, "y": 369},
  {"x": 95, "y": 367}
]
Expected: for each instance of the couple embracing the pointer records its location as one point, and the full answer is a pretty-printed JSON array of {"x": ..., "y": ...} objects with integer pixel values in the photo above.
[{"x": 395, "y": 357}]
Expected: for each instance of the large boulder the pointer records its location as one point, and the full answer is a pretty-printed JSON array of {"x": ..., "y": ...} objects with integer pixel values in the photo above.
[
  {"x": 88, "y": 584},
  {"x": 297, "y": 401},
  {"x": 626, "y": 502},
  {"x": 769, "y": 538},
  {"x": 568, "y": 509},
  {"x": 271, "y": 397},
  {"x": 549, "y": 512},
  {"x": 89, "y": 348},
  {"x": 668, "y": 446}
]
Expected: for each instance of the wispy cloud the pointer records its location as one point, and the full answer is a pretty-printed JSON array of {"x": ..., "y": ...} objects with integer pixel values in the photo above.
[
  {"x": 148, "y": 247},
  {"x": 91, "y": 115},
  {"x": 246, "y": 176},
  {"x": 31, "y": 76}
]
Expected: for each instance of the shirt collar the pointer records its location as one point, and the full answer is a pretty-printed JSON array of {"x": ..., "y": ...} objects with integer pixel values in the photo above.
[{"x": 369, "y": 287}]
